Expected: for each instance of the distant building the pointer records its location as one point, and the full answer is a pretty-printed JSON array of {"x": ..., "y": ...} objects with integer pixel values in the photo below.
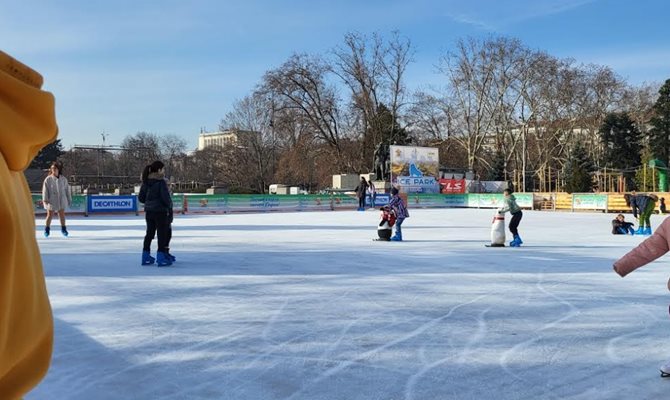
[{"x": 221, "y": 138}]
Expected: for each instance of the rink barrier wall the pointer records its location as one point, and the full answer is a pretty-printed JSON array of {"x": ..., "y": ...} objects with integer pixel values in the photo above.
[{"x": 236, "y": 203}]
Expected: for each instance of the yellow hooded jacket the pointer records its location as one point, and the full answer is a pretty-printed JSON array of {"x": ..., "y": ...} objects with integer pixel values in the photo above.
[{"x": 27, "y": 123}]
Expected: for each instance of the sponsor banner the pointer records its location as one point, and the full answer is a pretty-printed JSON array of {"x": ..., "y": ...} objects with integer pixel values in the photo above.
[
  {"x": 497, "y": 200},
  {"x": 257, "y": 203},
  {"x": 415, "y": 169},
  {"x": 489, "y": 200},
  {"x": 424, "y": 200},
  {"x": 102, "y": 203},
  {"x": 205, "y": 203},
  {"x": 452, "y": 186},
  {"x": 345, "y": 202},
  {"x": 177, "y": 203},
  {"x": 78, "y": 204},
  {"x": 381, "y": 199},
  {"x": 455, "y": 200},
  {"x": 589, "y": 201}
]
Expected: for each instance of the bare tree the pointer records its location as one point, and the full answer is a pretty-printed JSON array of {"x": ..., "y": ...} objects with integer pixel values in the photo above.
[
  {"x": 252, "y": 117},
  {"x": 301, "y": 84},
  {"x": 373, "y": 70},
  {"x": 479, "y": 74},
  {"x": 172, "y": 149}
]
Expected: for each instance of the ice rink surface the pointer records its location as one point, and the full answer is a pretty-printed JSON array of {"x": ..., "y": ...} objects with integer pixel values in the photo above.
[{"x": 307, "y": 306}]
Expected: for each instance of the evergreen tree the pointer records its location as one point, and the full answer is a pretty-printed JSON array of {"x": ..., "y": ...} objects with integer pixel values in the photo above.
[
  {"x": 659, "y": 134},
  {"x": 578, "y": 171},
  {"x": 47, "y": 155},
  {"x": 621, "y": 141},
  {"x": 388, "y": 127},
  {"x": 497, "y": 170}
]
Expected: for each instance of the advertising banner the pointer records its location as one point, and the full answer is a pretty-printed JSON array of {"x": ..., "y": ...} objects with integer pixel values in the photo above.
[
  {"x": 110, "y": 204},
  {"x": 415, "y": 169},
  {"x": 205, "y": 203},
  {"x": 381, "y": 199},
  {"x": 455, "y": 200},
  {"x": 78, "y": 204},
  {"x": 589, "y": 201},
  {"x": 452, "y": 186}
]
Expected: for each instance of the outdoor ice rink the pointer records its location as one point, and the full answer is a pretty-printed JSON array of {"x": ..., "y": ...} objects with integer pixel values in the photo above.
[{"x": 307, "y": 306}]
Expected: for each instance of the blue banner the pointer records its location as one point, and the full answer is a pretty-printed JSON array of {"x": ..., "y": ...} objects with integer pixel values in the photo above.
[
  {"x": 98, "y": 203},
  {"x": 381, "y": 199}
]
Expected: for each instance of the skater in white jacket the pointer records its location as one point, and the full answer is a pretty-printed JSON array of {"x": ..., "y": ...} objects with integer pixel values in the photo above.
[{"x": 56, "y": 197}]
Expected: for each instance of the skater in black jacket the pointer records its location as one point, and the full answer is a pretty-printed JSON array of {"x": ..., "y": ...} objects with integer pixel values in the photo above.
[
  {"x": 155, "y": 195},
  {"x": 621, "y": 227}
]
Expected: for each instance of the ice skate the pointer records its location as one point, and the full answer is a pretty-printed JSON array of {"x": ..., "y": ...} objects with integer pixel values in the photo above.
[{"x": 665, "y": 370}]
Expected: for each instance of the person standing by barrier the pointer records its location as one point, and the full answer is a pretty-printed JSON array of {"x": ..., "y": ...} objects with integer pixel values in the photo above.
[
  {"x": 155, "y": 195},
  {"x": 361, "y": 191},
  {"x": 27, "y": 123},
  {"x": 56, "y": 197},
  {"x": 372, "y": 192},
  {"x": 661, "y": 207}
]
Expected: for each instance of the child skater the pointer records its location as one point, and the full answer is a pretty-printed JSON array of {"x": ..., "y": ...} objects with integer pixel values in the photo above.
[
  {"x": 652, "y": 248},
  {"x": 401, "y": 213},
  {"x": 621, "y": 227},
  {"x": 515, "y": 210},
  {"x": 386, "y": 224}
]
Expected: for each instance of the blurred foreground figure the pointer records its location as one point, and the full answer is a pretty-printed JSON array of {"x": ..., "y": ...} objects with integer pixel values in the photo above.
[{"x": 27, "y": 123}]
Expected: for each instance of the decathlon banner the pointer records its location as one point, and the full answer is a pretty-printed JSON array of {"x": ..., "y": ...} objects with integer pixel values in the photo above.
[
  {"x": 97, "y": 203},
  {"x": 415, "y": 169}
]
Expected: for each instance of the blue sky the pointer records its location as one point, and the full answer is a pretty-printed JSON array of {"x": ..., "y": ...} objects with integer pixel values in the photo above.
[{"x": 172, "y": 67}]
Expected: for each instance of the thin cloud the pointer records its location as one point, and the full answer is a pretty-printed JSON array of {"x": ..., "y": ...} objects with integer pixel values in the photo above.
[{"x": 495, "y": 15}]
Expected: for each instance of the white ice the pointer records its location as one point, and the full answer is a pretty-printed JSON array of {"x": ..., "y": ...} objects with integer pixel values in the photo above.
[{"x": 307, "y": 306}]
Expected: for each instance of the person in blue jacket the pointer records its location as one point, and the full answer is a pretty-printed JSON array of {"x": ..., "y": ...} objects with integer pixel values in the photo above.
[{"x": 155, "y": 195}]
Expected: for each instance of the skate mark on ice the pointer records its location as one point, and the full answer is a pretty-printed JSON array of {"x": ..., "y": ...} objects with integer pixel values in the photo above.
[
  {"x": 612, "y": 343},
  {"x": 463, "y": 357},
  {"x": 538, "y": 333},
  {"x": 416, "y": 332},
  {"x": 272, "y": 320},
  {"x": 476, "y": 338}
]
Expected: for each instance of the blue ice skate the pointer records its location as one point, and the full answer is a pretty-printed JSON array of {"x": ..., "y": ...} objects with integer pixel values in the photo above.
[
  {"x": 162, "y": 259},
  {"x": 47, "y": 231},
  {"x": 516, "y": 242},
  {"x": 63, "y": 230},
  {"x": 397, "y": 237},
  {"x": 169, "y": 255},
  {"x": 647, "y": 231},
  {"x": 147, "y": 259}
]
